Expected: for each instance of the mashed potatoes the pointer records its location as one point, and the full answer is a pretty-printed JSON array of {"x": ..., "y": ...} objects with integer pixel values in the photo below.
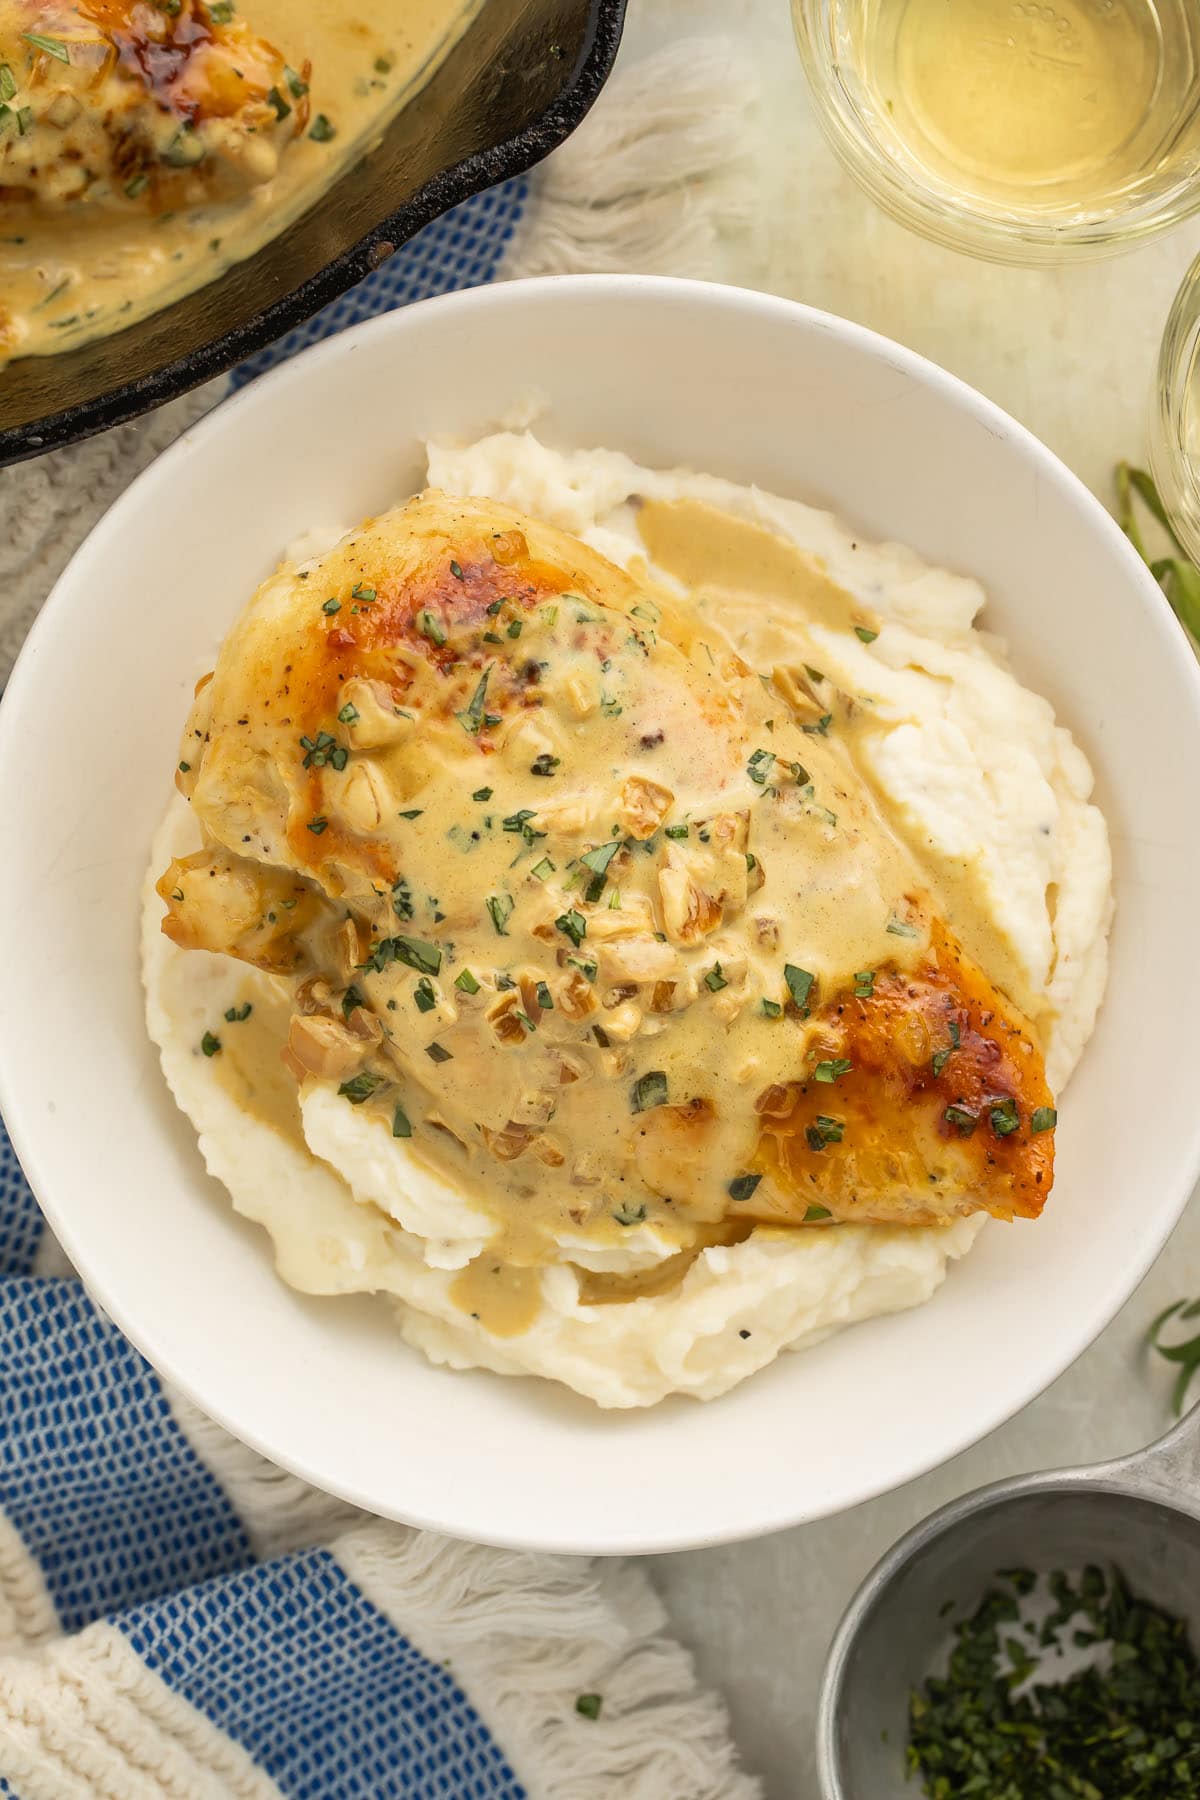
[{"x": 988, "y": 793}]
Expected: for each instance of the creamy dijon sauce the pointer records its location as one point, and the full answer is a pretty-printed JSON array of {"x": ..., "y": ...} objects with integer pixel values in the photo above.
[
  {"x": 505, "y": 1300},
  {"x": 72, "y": 271},
  {"x": 248, "y": 1064},
  {"x": 761, "y": 593},
  {"x": 815, "y": 878}
]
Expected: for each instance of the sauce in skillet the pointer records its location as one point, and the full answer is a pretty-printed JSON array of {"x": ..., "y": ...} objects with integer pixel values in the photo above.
[{"x": 146, "y": 148}]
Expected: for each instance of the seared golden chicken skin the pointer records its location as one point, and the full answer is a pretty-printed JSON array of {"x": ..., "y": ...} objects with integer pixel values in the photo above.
[
  {"x": 607, "y": 919},
  {"x": 123, "y": 103}
]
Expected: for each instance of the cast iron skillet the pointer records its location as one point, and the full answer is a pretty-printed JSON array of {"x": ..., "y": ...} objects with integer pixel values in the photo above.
[{"x": 519, "y": 80}]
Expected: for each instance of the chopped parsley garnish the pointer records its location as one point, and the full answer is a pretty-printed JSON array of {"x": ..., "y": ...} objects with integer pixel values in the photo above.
[
  {"x": 964, "y": 1122},
  {"x": 541, "y": 870},
  {"x": 832, "y": 1068},
  {"x": 500, "y": 906},
  {"x": 402, "y": 900},
  {"x": 901, "y": 928},
  {"x": 545, "y": 764},
  {"x": 349, "y": 714},
  {"x": 455, "y": 570},
  {"x": 436, "y": 1054},
  {"x": 297, "y": 87},
  {"x": 431, "y": 627},
  {"x": 317, "y": 825},
  {"x": 360, "y": 1087},
  {"x": 714, "y": 981},
  {"x": 1005, "y": 1719},
  {"x": 821, "y": 727},
  {"x": 1004, "y": 1116},
  {"x": 424, "y": 995},
  {"x": 813, "y": 674},
  {"x": 482, "y": 794},
  {"x": 220, "y": 11},
  {"x": 277, "y": 102},
  {"x": 414, "y": 812},
  {"x": 236, "y": 1015},
  {"x": 210, "y": 1044},
  {"x": 545, "y": 998},
  {"x": 412, "y": 952},
  {"x": 185, "y": 768},
  {"x": 466, "y": 983},
  {"x": 573, "y": 925},
  {"x": 800, "y": 984},
  {"x": 597, "y": 861},
  {"x": 760, "y": 765},
  {"x": 867, "y": 636},
  {"x": 515, "y": 628},
  {"x": 588, "y": 1705},
  {"x": 331, "y": 607},
  {"x": 472, "y": 717},
  {"x": 864, "y": 984},
  {"x": 136, "y": 186},
  {"x": 323, "y": 749},
  {"x": 771, "y": 1009},
  {"x": 586, "y": 967},
  {"x": 803, "y": 778},
  {"x": 814, "y": 1212},
  {"x": 518, "y": 822},
  {"x": 676, "y": 831},
  {"x": 401, "y": 1128},
  {"x": 184, "y": 150},
  {"x": 824, "y": 1130},
  {"x": 350, "y": 999},
  {"x": 649, "y": 1091},
  {"x": 1042, "y": 1118},
  {"x": 52, "y": 46},
  {"x": 322, "y": 129},
  {"x": 629, "y": 1214},
  {"x": 940, "y": 1059},
  {"x": 742, "y": 1186},
  {"x": 383, "y": 65}
]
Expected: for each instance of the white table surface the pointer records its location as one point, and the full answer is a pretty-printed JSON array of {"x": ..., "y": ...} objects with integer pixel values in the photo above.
[{"x": 1070, "y": 352}]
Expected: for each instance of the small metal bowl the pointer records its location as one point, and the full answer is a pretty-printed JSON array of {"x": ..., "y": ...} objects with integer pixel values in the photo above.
[
  {"x": 516, "y": 83},
  {"x": 1141, "y": 1513}
]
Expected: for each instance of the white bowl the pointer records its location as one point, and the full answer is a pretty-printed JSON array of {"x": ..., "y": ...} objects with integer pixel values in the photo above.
[{"x": 742, "y": 385}]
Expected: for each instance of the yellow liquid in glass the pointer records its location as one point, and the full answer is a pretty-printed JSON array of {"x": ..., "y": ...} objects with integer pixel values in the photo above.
[{"x": 1053, "y": 108}]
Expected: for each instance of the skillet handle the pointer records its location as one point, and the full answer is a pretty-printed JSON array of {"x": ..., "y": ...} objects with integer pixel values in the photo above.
[{"x": 1172, "y": 1462}]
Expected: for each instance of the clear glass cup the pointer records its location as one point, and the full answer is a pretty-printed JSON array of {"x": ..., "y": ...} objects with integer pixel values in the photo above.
[
  {"x": 1017, "y": 130},
  {"x": 1175, "y": 416}
]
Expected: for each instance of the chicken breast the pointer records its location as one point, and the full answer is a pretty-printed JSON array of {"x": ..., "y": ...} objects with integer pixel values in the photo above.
[
  {"x": 609, "y": 923},
  {"x": 126, "y": 104}
]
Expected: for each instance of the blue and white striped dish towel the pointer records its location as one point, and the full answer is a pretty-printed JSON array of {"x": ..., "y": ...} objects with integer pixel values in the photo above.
[{"x": 178, "y": 1617}]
